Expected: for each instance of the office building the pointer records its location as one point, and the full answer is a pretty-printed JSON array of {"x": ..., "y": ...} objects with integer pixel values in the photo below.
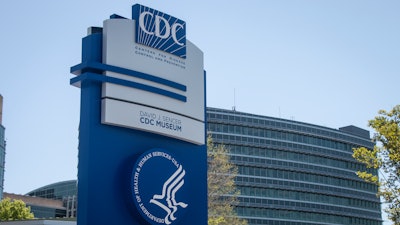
[
  {"x": 294, "y": 173},
  {"x": 65, "y": 192},
  {"x": 2, "y": 148}
]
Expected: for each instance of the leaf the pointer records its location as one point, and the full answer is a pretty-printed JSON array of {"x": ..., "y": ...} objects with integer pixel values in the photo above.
[
  {"x": 385, "y": 156},
  {"x": 14, "y": 210}
]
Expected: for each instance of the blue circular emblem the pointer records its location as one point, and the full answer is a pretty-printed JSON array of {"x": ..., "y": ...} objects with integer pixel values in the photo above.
[{"x": 158, "y": 187}]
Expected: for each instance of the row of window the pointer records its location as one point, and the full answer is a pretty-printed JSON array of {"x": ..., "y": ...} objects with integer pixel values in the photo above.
[
  {"x": 44, "y": 212},
  {"x": 306, "y": 217},
  {"x": 306, "y": 207},
  {"x": 308, "y": 197},
  {"x": 268, "y": 123},
  {"x": 302, "y": 186},
  {"x": 46, "y": 193},
  {"x": 305, "y": 177},
  {"x": 66, "y": 189},
  {"x": 279, "y": 135},
  {"x": 263, "y": 143},
  {"x": 289, "y": 165},
  {"x": 56, "y": 191},
  {"x": 294, "y": 156}
]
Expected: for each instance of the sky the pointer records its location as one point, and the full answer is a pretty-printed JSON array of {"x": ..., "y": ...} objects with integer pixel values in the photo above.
[{"x": 327, "y": 62}]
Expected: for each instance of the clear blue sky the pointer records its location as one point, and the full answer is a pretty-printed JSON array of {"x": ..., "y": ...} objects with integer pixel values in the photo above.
[{"x": 332, "y": 63}]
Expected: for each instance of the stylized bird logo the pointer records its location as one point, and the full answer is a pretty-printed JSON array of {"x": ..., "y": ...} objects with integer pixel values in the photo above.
[{"x": 170, "y": 187}]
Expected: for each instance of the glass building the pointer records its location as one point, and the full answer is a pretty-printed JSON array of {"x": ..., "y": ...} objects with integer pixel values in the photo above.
[
  {"x": 66, "y": 191},
  {"x": 2, "y": 149},
  {"x": 294, "y": 173}
]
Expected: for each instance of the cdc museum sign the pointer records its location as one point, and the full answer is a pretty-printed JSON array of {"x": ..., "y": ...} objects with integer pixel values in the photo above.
[{"x": 142, "y": 153}]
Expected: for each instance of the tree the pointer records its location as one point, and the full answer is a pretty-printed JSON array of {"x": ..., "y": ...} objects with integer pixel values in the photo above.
[
  {"x": 385, "y": 156},
  {"x": 222, "y": 191},
  {"x": 14, "y": 210}
]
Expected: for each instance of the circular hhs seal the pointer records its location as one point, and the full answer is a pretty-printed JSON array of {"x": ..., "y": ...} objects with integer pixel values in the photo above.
[{"x": 158, "y": 187}]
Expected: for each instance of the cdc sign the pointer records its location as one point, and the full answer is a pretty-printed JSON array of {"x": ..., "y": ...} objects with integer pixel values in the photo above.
[
  {"x": 142, "y": 153},
  {"x": 159, "y": 30}
]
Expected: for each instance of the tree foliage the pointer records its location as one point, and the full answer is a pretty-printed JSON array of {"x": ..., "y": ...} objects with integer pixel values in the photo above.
[
  {"x": 385, "y": 156},
  {"x": 14, "y": 210},
  {"x": 222, "y": 191}
]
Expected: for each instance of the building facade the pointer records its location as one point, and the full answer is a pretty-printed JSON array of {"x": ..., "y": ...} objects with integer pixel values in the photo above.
[
  {"x": 294, "y": 173},
  {"x": 65, "y": 192},
  {"x": 2, "y": 148}
]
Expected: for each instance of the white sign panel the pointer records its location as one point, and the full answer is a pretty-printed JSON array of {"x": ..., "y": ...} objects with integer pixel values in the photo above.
[
  {"x": 155, "y": 81},
  {"x": 150, "y": 119}
]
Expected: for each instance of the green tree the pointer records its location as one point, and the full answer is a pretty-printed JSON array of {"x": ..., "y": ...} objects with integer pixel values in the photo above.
[
  {"x": 385, "y": 156},
  {"x": 14, "y": 210},
  {"x": 222, "y": 191}
]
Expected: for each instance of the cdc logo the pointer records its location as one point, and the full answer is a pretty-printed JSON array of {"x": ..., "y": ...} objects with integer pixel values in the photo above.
[
  {"x": 159, "y": 30},
  {"x": 158, "y": 187}
]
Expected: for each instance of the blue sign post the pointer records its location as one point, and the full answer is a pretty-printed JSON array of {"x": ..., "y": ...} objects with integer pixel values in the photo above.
[{"x": 142, "y": 152}]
